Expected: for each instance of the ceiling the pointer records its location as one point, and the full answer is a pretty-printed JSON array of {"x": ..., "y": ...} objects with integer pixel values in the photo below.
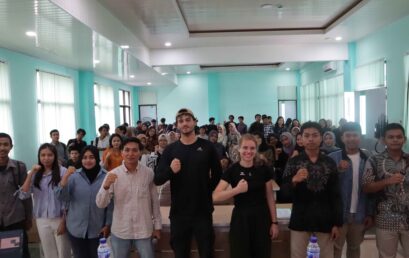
[
  {"x": 91, "y": 40},
  {"x": 197, "y": 23},
  {"x": 63, "y": 40}
]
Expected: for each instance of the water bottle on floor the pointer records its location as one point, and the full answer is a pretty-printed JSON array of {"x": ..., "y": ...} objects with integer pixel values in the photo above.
[
  {"x": 313, "y": 249},
  {"x": 103, "y": 249}
]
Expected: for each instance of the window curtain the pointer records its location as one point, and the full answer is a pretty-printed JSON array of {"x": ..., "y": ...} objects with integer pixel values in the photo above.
[
  {"x": 6, "y": 124},
  {"x": 104, "y": 106},
  {"x": 406, "y": 107},
  {"x": 331, "y": 98},
  {"x": 370, "y": 76},
  {"x": 308, "y": 98},
  {"x": 56, "y": 110}
]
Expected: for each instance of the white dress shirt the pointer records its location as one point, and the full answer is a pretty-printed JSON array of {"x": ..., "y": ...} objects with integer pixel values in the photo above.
[{"x": 136, "y": 203}]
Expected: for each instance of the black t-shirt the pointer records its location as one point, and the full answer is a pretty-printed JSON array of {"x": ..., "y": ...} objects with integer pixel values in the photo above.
[
  {"x": 3, "y": 168},
  {"x": 193, "y": 185},
  {"x": 256, "y": 178}
]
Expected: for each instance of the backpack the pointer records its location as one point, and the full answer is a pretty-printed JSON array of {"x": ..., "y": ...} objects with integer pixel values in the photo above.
[{"x": 17, "y": 182}]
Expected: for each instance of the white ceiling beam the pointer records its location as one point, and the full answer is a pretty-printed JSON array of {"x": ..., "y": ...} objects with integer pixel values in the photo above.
[{"x": 250, "y": 54}]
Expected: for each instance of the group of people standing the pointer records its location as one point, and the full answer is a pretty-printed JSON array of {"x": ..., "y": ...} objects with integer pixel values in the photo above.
[{"x": 336, "y": 194}]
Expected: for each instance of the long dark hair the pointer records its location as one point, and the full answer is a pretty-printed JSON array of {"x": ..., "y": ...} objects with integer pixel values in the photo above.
[
  {"x": 55, "y": 173},
  {"x": 112, "y": 137}
]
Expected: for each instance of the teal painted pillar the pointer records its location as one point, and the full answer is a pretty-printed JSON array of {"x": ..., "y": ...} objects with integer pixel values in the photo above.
[
  {"x": 86, "y": 98},
  {"x": 298, "y": 75},
  {"x": 349, "y": 68},
  {"x": 135, "y": 104},
  {"x": 213, "y": 95}
]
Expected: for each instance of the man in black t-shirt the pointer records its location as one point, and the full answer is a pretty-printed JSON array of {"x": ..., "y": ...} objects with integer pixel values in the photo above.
[{"x": 192, "y": 166}]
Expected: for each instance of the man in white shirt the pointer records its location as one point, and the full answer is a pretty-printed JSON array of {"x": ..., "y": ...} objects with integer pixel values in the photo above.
[
  {"x": 136, "y": 217},
  {"x": 358, "y": 209}
]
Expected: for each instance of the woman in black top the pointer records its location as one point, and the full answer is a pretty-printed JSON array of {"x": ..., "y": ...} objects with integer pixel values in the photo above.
[{"x": 254, "y": 219}]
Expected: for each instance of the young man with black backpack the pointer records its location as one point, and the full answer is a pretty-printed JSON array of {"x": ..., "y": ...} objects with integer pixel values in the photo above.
[{"x": 14, "y": 213}]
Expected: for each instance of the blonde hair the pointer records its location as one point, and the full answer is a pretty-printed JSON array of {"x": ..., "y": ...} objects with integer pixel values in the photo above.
[{"x": 257, "y": 161}]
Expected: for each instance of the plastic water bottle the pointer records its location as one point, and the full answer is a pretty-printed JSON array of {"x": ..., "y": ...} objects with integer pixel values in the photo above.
[
  {"x": 313, "y": 249},
  {"x": 103, "y": 249}
]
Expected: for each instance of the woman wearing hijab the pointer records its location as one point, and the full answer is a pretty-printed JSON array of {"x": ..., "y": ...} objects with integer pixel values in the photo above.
[
  {"x": 151, "y": 160},
  {"x": 85, "y": 221},
  {"x": 287, "y": 140},
  {"x": 233, "y": 139},
  {"x": 222, "y": 137},
  {"x": 328, "y": 142}
]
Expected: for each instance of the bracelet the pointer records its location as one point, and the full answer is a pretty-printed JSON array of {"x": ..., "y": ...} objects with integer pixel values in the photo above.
[{"x": 274, "y": 222}]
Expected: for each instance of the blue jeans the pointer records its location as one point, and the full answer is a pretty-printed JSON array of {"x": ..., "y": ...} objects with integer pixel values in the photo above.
[{"x": 121, "y": 247}]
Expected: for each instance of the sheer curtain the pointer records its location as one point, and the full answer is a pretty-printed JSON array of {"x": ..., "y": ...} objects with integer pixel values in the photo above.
[
  {"x": 308, "y": 98},
  {"x": 371, "y": 75},
  {"x": 56, "y": 110},
  {"x": 6, "y": 123},
  {"x": 331, "y": 98},
  {"x": 104, "y": 106},
  {"x": 406, "y": 107}
]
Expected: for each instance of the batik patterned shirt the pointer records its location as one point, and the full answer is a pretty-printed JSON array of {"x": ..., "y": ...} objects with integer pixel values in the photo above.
[{"x": 392, "y": 208}]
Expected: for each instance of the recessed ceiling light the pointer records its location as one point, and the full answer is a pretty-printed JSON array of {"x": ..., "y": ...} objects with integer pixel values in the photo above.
[
  {"x": 168, "y": 44},
  {"x": 164, "y": 73},
  {"x": 132, "y": 76},
  {"x": 149, "y": 83},
  {"x": 124, "y": 46},
  {"x": 188, "y": 72},
  {"x": 338, "y": 38},
  {"x": 288, "y": 69},
  {"x": 266, "y": 6},
  {"x": 96, "y": 61},
  {"x": 31, "y": 33}
]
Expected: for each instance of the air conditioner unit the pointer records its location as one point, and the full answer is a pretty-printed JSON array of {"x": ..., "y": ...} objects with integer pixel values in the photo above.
[{"x": 329, "y": 67}]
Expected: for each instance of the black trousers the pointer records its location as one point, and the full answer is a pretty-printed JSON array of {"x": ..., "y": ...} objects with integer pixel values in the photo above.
[
  {"x": 84, "y": 247},
  {"x": 250, "y": 233},
  {"x": 182, "y": 231}
]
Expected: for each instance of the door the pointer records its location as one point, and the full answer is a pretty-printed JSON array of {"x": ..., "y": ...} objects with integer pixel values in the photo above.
[
  {"x": 147, "y": 113},
  {"x": 287, "y": 109}
]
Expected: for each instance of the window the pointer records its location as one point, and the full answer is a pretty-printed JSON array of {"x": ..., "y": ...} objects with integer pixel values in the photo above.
[
  {"x": 124, "y": 106},
  {"x": 6, "y": 125},
  {"x": 371, "y": 75},
  {"x": 104, "y": 106},
  {"x": 308, "y": 98},
  {"x": 55, "y": 98},
  {"x": 331, "y": 98}
]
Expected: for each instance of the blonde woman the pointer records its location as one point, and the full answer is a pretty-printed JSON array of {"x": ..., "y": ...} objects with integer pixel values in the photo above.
[{"x": 254, "y": 218}]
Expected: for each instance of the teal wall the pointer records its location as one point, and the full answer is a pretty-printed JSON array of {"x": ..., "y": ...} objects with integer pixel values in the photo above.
[
  {"x": 313, "y": 72},
  {"x": 223, "y": 93},
  {"x": 191, "y": 92},
  {"x": 390, "y": 42},
  {"x": 249, "y": 93},
  {"x": 22, "y": 78}
]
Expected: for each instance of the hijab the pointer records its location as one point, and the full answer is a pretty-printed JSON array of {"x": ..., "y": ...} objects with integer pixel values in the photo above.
[
  {"x": 288, "y": 150},
  {"x": 93, "y": 172}
]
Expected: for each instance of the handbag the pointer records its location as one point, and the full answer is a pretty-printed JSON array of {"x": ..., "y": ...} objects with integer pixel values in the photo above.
[{"x": 11, "y": 243}]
